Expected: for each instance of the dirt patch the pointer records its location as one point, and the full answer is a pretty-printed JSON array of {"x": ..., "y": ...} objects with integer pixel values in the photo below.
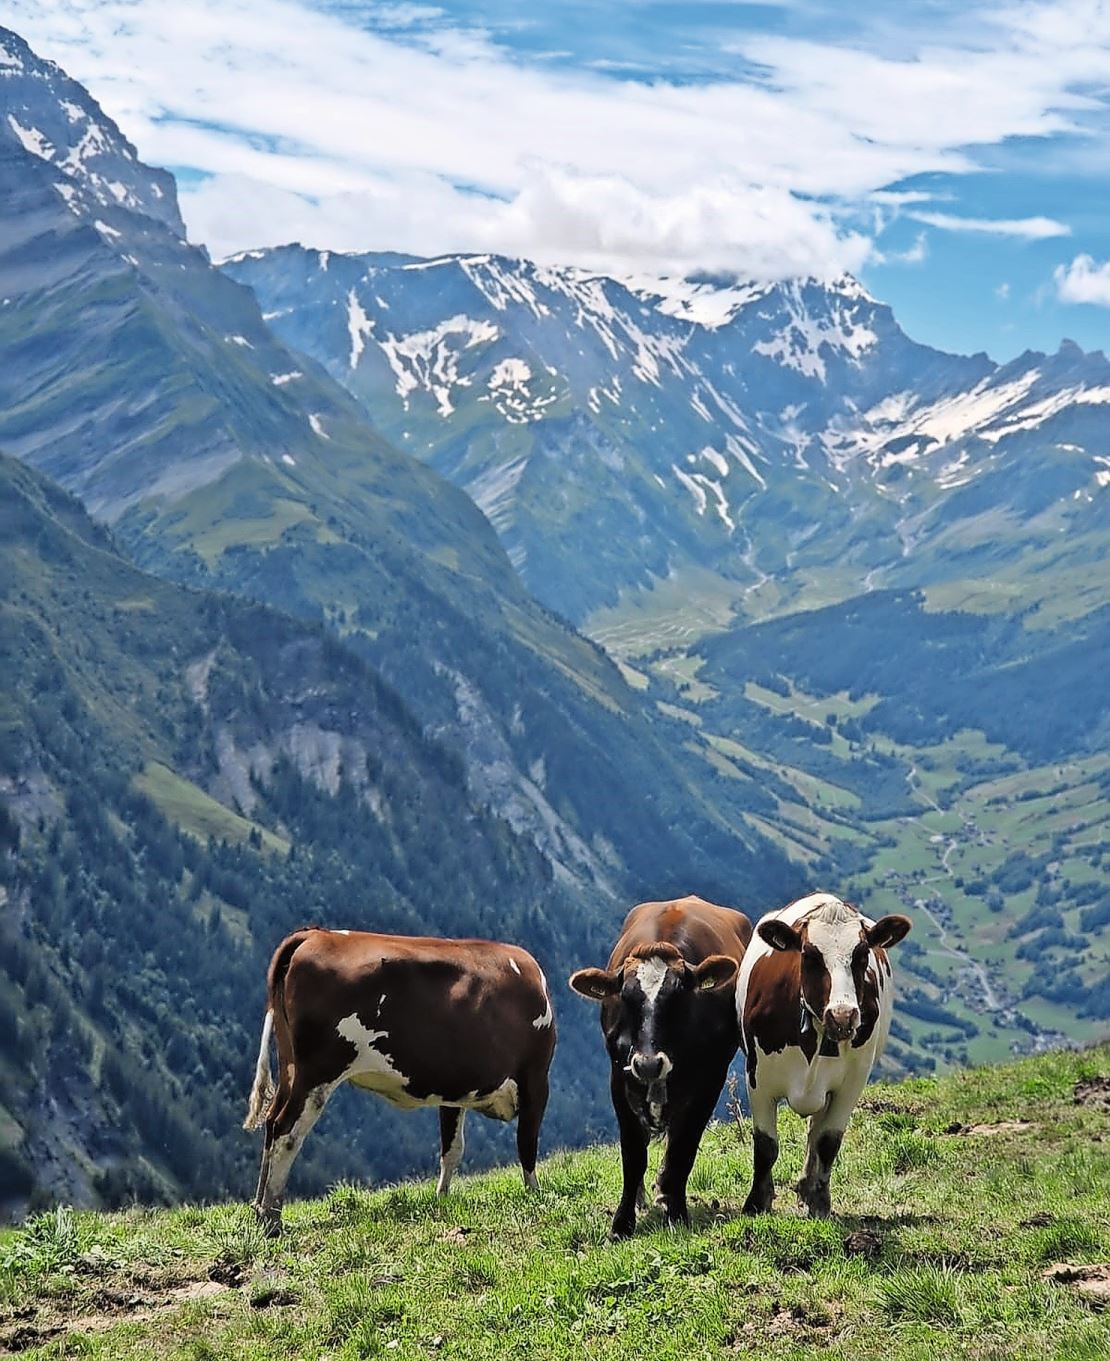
[
  {"x": 459, "y": 1234},
  {"x": 1091, "y": 1281},
  {"x": 793, "y": 1321},
  {"x": 1094, "y": 1092},
  {"x": 863, "y": 1243},
  {"x": 1041, "y": 1220},
  {"x": 881, "y": 1106},
  {"x": 986, "y": 1131},
  {"x": 106, "y": 1307}
]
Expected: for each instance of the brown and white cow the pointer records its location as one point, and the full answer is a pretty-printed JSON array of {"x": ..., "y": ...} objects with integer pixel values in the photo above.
[
  {"x": 459, "y": 1024},
  {"x": 669, "y": 1020},
  {"x": 814, "y": 1003}
]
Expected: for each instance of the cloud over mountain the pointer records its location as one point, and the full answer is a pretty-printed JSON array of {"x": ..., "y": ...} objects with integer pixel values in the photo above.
[{"x": 400, "y": 126}]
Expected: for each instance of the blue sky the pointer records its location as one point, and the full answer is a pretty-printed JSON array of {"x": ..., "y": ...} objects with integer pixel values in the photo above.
[{"x": 953, "y": 156}]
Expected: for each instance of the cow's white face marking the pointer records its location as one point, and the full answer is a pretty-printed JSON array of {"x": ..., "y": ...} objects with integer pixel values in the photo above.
[
  {"x": 541, "y": 1022},
  {"x": 514, "y": 966},
  {"x": 651, "y": 974},
  {"x": 835, "y": 930}
]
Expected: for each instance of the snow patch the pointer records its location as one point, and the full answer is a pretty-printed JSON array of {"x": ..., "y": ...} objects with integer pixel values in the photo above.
[
  {"x": 359, "y": 326},
  {"x": 31, "y": 139},
  {"x": 430, "y": 359}
]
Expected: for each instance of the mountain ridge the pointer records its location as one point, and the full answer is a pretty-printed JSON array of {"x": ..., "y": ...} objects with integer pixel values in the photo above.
[
  {"x": 148, "y": 383},
  {"x": 800, "y": 405}
]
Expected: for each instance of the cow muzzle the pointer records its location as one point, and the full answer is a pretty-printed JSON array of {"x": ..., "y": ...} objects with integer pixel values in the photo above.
[
  {"x": 841, "y": 1023},
  {"x": 650, "y": 1068}
]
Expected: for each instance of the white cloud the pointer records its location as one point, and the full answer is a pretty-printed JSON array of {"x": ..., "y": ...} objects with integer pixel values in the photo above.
[
  {"x": 916, "y": 254},
  {"x": 1002, "y": 292},
  {"x": 1083, "y": 281},
  {"x": 419, "y": 136},
  {"x": 1026, "y": 228}
]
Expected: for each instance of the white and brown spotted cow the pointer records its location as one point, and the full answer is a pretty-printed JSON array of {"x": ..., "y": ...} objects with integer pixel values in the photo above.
[
  {"x": 669, "y": 1022},
  {"x": 459, "y": 1024},
  {"x": 814, "y": 1003}
]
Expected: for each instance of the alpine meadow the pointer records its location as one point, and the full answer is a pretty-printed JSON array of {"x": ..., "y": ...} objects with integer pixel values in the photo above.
[{"x": 498, "y": 497}]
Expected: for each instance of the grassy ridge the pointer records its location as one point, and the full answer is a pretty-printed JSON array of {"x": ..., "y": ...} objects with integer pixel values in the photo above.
[{"x": 956, "y": 1196}]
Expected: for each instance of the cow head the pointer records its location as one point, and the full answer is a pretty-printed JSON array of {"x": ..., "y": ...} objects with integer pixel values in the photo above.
[
  {"x": 835, "y": 945},
  {"x": 648, "y": 1007}
]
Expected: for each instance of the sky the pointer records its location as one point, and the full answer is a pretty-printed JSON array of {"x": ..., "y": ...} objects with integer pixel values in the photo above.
[{"x": 954, "y": 156}]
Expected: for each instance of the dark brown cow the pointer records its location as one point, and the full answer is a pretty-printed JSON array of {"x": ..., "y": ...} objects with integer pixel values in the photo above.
[
  {"x": 458, "y": 1024},
  {"x": 669, "y": 1018}
]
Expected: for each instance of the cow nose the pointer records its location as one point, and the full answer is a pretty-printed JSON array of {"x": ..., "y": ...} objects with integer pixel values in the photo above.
[
  {"x": 647, "y": 1067},
  {"x": 841, "y": 1022}
]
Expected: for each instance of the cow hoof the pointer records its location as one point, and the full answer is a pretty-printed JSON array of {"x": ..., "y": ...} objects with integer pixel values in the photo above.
[
  {"x": 756, "y": 1207},
  {"x": 623, "y": 1227},
  {"x": 269, "y": 1221}
]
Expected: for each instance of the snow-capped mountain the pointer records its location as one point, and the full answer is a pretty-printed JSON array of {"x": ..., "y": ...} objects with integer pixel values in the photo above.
[
  {"x": 55, "y": 119},
  {"x": 621, "y": 432},
  {"x": 147, "y": 383}
]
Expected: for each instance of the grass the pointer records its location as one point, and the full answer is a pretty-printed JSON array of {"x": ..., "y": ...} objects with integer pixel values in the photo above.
[
  {"x": 939, "y": 1250},
  {"x": 196, "y": 812}
]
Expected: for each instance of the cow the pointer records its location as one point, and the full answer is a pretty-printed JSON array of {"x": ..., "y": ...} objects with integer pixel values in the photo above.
[
  {"x": 813, "y": 1000},
  {"x": 457, "y": 1024},
  {"x": 669, "y": 1020}
]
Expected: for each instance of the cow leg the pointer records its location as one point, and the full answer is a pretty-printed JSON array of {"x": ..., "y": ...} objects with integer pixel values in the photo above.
[
  {"x": 451, "y": 1145},
  {"x": 683, "y": 1139},
  {"x": 533, "y": 1103},
  {"x": 765, "y": 1140},
  {"x": 826, "y": 1132},
  {"x": 285, "y": 1135},
  {"x": 277, "y": 1101},
  {"x": 634, "y": 1157}
]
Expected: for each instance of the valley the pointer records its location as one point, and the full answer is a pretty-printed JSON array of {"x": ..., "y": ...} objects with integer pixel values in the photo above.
[{"x": 474, "y": 595}]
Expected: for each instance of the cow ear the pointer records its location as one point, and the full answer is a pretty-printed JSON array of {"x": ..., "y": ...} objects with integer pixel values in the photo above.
[
  {"x": 714, "y": 972},
  {"x": 888, "y": 931},
  {"x": 596, "y": 984},
  {"x": 779, "y": 935}
]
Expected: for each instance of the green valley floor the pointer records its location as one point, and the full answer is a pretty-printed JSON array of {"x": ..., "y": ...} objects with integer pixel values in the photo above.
[{"x": 973, "y": 1221}]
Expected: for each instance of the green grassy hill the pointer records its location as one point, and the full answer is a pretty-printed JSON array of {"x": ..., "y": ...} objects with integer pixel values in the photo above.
[
  {"x": 959, "y": 1200},
  {"x": 946, "y": 762}
]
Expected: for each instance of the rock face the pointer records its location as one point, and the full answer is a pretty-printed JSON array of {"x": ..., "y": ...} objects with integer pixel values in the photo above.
[
  {"x": 148, "y": 383},
  {"x": 622, "y": 432}
]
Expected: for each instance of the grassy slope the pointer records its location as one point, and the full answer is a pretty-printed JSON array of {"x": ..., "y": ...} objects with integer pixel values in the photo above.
[
  {"x": 936, "y": 856},
  {"x": 984, "y": 822},
  {"x": 941, "y": 1252}
]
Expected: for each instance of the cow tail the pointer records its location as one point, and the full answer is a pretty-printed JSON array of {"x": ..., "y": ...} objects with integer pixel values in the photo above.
[{"x": 262, "y": 1092}]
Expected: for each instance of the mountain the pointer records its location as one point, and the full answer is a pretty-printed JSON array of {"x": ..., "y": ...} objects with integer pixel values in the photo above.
[
  {"x": 869, "y": 576},
  {"x": 662, "y": 447},
  {"x": 147, "y": 383},
  {"x": 183, "y": 778}
]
